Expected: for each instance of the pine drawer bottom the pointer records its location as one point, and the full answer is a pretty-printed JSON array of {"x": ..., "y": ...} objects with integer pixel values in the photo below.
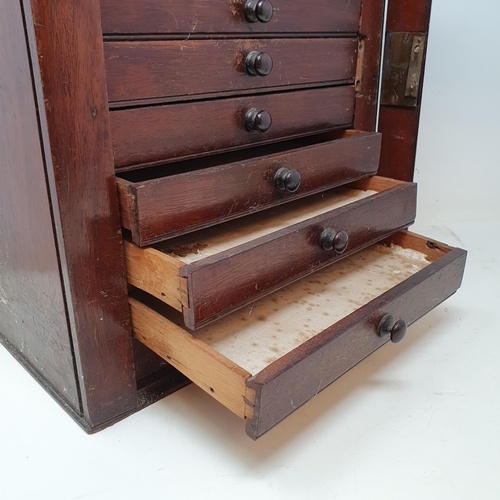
[{"x": 266, "y": 360}]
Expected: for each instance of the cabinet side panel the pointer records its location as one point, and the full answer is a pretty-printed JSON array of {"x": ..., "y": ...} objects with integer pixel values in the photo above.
[
  {"x": 32, "y": 311},
  {"x": 67, "y": 36}
]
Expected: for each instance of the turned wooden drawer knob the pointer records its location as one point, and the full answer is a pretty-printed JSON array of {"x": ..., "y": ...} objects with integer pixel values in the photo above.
[
  {"x": 257, "y": 120},
  {"x": 287, "y": 180},
  {"x": 260, "y": 11},
  {"x": 333, "y": 240},
  {"x": 396, "y": 330},
  {"x": 258, "y": 63}
]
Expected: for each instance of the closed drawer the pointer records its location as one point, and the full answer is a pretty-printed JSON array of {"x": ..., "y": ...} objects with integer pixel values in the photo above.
[
  {"x": 155, "y": 69},
  {"x": 266, "y": 360},
  {"x": 156, "y": 134},
  {"x": 156, "y": 206},
  {"x": 214, "y": 271},
  {"x": 228, "y": 16}
]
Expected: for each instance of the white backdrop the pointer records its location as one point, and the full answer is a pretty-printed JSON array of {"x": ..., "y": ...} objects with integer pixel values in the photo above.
[{"x": 419, "y": 420}]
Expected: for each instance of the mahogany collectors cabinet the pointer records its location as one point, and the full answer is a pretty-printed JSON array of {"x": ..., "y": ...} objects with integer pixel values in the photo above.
[{"x": 198, "y": 190}]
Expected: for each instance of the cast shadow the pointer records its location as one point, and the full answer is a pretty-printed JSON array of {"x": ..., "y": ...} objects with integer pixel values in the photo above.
[{"x": 226, "y": 431}]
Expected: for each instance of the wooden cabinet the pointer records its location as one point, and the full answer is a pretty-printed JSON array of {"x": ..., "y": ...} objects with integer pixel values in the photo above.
[{"x": 206, "y": 205}]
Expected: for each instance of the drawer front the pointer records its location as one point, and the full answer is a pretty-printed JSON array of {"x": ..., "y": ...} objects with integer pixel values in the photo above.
[
  {"x": 227, "y": 16},
  {"x": 165, "y": 207},
  {"x": 264, "y": 370},
  {"x": 153, "y": 135},
  {"x": 296, "y": 378},
  {"x": 219, "y": 284},
  {"x": 154, "y": 69}
]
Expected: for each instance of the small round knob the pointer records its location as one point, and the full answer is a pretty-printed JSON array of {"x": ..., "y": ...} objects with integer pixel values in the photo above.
[
  {"x": 287, "y": 180},
  {"x": 258, "y": 63},
  {"x": 257, "y": 120},
  {"x": 258, "y": 11},
  {"x": 397, "y": 330},
  {"x": 333, "y": 240}
]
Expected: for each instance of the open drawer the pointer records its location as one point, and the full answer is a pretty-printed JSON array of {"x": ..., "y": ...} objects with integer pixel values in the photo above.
[
  {"x": 214, "y": 271},
  {"x": 268, "y": 359},
  {"x": 163, "y": 202}
]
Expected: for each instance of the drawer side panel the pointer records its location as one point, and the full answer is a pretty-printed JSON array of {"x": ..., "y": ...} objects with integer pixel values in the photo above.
[{"x": 208, "y": 369}]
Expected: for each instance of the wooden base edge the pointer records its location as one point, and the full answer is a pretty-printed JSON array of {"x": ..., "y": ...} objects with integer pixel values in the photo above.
[{"x": 153, "y": 388}]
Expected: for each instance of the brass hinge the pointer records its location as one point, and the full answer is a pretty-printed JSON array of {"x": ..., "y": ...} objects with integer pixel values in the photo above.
[{"x": 403, "y": 64}]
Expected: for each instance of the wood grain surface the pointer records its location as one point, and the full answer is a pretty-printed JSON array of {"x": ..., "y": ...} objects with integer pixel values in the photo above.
[
  {"x": 219, "y": 284},
  {"x": 218, "y": 376},
  {"x": 72, "y": 94},
  {"x": 160, "y": 133},
  {"x": 33, "y": 323},
  {"x": 226, "y": 16},
  {"x": 164, "y": 207},
  {"x": 142, "y": 70}
]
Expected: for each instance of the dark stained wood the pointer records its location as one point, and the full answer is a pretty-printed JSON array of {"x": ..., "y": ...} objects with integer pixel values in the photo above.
[
  {"x": 408, "y": 15},
  {"x": 156, "y": 134},
  {"x": 399, "y": 125},
  {"x": 300, "y": 375},
  {"x": 399, "y": 128},
  {"x": 142, "y": 70},
  {"x": 72, "y": 94},
  {"x": 63, "y": 302},
  {"x": 226, "y": 16},
  {"x": 33, "y": 320},
  {"x": 370, "y": 46},
  {"x": 165, "y": 207},
  {"x": 229, "y": 280}
]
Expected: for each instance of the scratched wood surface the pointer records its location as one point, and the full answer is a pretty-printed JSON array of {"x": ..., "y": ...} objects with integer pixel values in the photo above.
[
  {"x": 216, "y": 16},
  {"x": 32, "y": 310}
]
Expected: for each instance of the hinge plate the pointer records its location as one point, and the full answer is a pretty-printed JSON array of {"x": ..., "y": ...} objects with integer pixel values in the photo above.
[{"x": 402, "y": 73}]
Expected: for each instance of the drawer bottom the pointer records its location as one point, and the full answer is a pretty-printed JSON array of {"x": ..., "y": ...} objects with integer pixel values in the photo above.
[{"x": 266, "y": 360}]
